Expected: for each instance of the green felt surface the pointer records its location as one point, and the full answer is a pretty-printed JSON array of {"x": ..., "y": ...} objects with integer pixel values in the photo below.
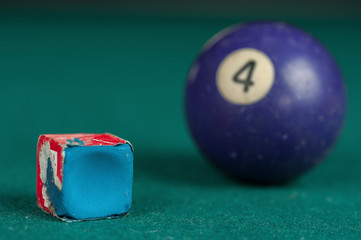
[{"x": 126, "y": 75}]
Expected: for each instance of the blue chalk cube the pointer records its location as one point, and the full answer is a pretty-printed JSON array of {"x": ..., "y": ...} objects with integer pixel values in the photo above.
[{"x": 96, "y": 182}]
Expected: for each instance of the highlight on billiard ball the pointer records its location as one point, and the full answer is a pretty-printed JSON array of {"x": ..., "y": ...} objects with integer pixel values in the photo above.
[
  {"x": 84, "y": 176},
  {"x": 265, "y": 102}
]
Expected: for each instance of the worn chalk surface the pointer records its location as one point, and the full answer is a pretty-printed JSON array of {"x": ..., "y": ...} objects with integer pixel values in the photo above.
[{"x": 97, "y": 182}]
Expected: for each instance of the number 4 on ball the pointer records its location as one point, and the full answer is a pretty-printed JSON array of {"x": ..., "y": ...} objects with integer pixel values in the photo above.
[{"x": 249, "y": 66}]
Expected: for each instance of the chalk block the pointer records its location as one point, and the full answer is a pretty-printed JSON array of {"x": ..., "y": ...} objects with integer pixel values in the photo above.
[{"x": 84, "y": 176}]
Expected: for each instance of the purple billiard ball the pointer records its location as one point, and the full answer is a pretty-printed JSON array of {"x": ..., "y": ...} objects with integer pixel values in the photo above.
[{"x": 265, "y": 102}]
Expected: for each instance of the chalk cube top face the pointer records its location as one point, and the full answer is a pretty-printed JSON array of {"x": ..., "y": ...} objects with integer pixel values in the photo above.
[
  {"x": 85, "y": 139},
  {"x": 84, "y": 176}
]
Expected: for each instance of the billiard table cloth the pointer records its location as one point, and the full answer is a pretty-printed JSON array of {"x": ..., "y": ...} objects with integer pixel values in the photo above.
[{"x": 126, "y": 75}]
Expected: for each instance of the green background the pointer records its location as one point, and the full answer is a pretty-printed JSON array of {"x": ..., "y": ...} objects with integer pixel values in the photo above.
[{"x": 125, "y": 74}]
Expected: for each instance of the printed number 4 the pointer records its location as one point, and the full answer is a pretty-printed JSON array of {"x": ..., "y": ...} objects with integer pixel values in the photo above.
[{"x": 249, "y": 66}]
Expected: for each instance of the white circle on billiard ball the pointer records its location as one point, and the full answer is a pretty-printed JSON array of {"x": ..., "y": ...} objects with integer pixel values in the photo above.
[{"x": 245, "y": 76}]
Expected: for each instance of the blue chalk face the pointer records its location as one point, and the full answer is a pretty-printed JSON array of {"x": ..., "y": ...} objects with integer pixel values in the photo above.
[
  {"x": 97, "y": 182},
  {"x": 265, "y": 102}
]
